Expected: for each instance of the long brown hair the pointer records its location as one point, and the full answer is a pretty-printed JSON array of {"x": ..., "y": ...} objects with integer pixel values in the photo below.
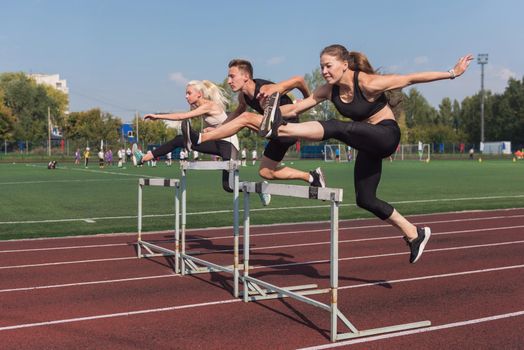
[
  {"x": 359, "y": 61},
  {"x": 355, "y": 60}
]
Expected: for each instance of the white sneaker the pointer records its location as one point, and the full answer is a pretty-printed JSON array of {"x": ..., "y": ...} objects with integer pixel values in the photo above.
[{"x": 265, "y": 198}]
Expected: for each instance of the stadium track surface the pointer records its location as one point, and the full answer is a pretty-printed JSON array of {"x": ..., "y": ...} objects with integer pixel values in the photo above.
[{"x": 92, "y": 292}]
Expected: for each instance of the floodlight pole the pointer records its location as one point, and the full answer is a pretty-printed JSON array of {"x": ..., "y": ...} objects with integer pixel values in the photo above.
[
  {"x": 49, "y": 131},
  {"x": 482, "y": 59}
]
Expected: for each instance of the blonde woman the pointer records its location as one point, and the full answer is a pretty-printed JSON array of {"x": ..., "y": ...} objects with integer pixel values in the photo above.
[{"x": 207, "y": 101}]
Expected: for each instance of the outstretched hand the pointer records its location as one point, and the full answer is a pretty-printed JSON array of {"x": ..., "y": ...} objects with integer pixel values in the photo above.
[
  {"x": 266, "y": 91},
  {"x": 462, "y": 65},
  {"x": 150, "y": 116}
]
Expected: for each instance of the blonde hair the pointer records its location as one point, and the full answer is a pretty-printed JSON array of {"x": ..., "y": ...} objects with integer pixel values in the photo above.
[{"x": 211, "y": 91}]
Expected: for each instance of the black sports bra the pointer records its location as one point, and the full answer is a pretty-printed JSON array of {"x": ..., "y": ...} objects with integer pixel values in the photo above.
[{"x": 359, "y": 108}]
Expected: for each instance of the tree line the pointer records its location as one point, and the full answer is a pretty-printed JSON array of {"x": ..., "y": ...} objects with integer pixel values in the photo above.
[{"x": 24, "y": 108}]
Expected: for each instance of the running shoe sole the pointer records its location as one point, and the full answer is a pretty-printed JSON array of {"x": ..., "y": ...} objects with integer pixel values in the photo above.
[
  {"x": 269, "y": 114},
  {"x": 427, "y": 234}
]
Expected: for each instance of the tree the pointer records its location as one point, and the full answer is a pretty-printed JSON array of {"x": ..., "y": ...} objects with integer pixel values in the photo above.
[
  {"x": 29, "y": 104},
  {"x": 469, "y": 120},
  {"x": 93, "y": 126},
  {"x": 7, "y": 121},
  {"x": 418, "y": 110},
  {"x": 508, "y": 109},
  {"x": 445, "y": 112}
]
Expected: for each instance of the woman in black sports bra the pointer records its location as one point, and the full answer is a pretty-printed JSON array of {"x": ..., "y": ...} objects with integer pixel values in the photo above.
[{"x": 358, "y": 93}]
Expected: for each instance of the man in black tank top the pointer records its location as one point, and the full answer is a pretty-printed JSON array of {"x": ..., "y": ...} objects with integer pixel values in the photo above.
[{"x": 240, "y": 79}]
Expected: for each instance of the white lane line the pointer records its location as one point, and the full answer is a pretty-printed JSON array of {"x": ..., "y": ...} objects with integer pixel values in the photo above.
[
  {"x": 130, "y": 279},
  {"x": 281, "y": 234},
  {"x": 227, "y": 301},
  {"x": 121, "y": 314},
  {"x": 67, "y": 248},
  {"x": 417, "y": 331},
  {"x": 367, "y": 284},
  {"x": 294, "y": 264},
  {"x": 429, "y": 277},
  {"x": 61, "y": 181},
  {"x": 67, "y": 263},
  {"x": 253, "y": 210},
  {"x": 364, "y": 239},
  {"x": 324, "y": 261},
  {"x": 300, "y": 245}
]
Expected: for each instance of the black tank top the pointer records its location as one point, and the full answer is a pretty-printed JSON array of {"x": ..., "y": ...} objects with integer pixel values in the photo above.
[
  {"x": 359, "y": 109},
  {"x": 255, "y": 104}
]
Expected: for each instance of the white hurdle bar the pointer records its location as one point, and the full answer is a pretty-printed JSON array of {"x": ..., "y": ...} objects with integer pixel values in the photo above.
[
  {"x": 190, "y": 264},
  {"x": 154, "y": 250},
  {"x": 256, "y": 289}
]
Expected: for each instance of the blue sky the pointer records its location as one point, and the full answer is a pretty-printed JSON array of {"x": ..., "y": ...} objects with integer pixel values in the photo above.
[{"x": 124, "y": 56}]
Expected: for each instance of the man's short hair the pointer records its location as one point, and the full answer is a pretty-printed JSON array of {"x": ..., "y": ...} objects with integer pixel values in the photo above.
[{"x": 243, "y": 65}]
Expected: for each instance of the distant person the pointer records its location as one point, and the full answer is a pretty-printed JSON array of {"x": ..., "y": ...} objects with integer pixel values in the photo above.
[
  {"x": 52, "y": 164},
  {"x": 337, "y": 154},
  {"x": 254, "y": 156},
  {"x": 77, "y": 156},
  {"x": 101, "y": 160},
  {"x": 120, "y": 155},
  {"x": 110, "y": 157},
  {"x": 169, "y": 159},
  {"x": 196, "y": 156},
  {"x": 87, "y": 154},
  {"x": 471, "y": 153},
  {"x": 128, "y": 154},
  {"x": 243, "y": 156}
]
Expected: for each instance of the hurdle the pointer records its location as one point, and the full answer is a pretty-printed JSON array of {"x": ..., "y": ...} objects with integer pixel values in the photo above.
[
  {"x": 190, "y": 264},
  {"x": 256, "y": 289},
  {"x": 154, "y": 250}
]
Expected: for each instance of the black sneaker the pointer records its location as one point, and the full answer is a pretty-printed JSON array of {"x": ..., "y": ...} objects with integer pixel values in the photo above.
[
  {"x": 271, "y": 106},
  {"x": 318, "y": 178},
  {"x": 418, "y": 244}
]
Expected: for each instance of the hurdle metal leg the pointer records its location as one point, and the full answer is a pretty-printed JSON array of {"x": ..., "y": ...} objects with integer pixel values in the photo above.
[
  {"x": 253, "y": 288},
  {"x": 151, "y": 248},
  {"x": 190, "y": 264}
]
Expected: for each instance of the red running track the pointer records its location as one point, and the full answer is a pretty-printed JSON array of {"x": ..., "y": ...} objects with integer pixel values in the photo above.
[{"x": 93, "y": 293}]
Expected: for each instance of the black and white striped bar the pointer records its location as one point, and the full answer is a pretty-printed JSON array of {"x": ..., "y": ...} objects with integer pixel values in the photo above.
[
  {"x": 159, "y": 182},
  {"x": 322, "y": 193},
  {"x": 229, "y": 165}
]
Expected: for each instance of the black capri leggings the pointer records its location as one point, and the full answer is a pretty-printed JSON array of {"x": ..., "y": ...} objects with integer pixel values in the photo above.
[
  {"x": 221, "y": 148},
  {"x": 373, "y": 143}
]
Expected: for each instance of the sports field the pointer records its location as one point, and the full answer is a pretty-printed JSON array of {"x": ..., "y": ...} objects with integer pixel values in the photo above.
[{"x": 72, "y": 200}]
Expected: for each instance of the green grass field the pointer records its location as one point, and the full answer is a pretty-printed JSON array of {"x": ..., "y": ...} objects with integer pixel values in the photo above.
[{"x": 37, "y": 202}]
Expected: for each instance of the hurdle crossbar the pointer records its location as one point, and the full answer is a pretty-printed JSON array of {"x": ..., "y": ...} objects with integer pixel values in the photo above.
[
  {"x": 154, "y": 250},
  {"x": 253, "y": 286},
  {"x": 190, "y": 264}
]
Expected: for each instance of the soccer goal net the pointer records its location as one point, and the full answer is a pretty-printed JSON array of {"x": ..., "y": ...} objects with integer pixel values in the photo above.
[
  {"x": 420, "y": 152},
  {"x": 337, "y": 153}
]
